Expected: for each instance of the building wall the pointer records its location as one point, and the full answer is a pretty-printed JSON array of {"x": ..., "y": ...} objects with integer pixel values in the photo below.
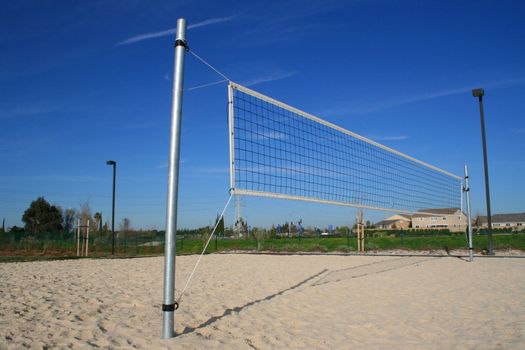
[
  {"x": 455, "y": 223},
  {"x": 399, "y": 224},
  {"x": 519, "y": 225}
]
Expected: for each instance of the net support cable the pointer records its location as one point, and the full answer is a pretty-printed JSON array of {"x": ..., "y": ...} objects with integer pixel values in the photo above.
[
  {"x": 203, "y": 250},
  {"x": 279, "y": 151}
]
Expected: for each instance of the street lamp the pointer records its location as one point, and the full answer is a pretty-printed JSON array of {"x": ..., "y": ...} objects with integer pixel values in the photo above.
[
  {"x": 114, "y": 164},
  {"x": 479, "y": 93}
]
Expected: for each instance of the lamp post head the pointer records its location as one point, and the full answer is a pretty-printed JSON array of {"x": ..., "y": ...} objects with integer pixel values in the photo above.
[
  {"x": 478, "y": 92},
  {"x": 111, "y": 162}
]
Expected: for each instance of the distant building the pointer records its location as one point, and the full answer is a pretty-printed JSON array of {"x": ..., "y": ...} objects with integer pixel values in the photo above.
[
  {"x": 452, "y": 219},
  {"x": 504, "y": 221},
  {"x": 398, "y": 221}
]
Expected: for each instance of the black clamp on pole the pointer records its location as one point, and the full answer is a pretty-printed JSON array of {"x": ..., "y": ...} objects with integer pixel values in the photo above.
[
  {"x": 183, "y": 43},
  {"x": 170, "y": 307}
]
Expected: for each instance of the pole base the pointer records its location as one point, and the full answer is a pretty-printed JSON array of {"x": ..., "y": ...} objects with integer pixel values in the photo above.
[{"x": 168, "y": 330}]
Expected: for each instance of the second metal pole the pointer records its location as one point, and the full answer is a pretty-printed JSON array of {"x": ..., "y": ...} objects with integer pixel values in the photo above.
[
  {"x": 169, "y": 305},
  {"x": 469, "y": 222}
]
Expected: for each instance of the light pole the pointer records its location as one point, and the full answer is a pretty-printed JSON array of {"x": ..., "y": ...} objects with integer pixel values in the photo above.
[
  {"x": 114, "y": 164},
  {"x": 479, "y": 93}
]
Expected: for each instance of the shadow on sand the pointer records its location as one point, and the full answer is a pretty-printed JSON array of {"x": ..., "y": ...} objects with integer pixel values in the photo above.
[{"x": 251, "y": 303}]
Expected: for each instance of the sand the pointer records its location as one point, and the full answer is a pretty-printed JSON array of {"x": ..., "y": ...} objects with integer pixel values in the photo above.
[{"x": 245, "y": 301}]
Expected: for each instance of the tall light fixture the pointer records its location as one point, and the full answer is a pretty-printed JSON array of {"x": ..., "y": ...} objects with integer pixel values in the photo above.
[
  {"x": 479, "y": 93},
  {"x": 114, "y": 164}
]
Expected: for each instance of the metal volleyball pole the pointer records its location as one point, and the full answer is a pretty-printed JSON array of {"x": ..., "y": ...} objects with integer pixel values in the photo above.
[
  {"x": 469, "y": 223},
  {"x": 169, "y": 305}
]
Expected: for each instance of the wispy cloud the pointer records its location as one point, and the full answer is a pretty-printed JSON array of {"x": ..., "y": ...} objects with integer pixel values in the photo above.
[
  {"x": 172, "y": 31},
  {"x": 161, "y": 166},
  {"x": 449, "y": 92},
  {"x": 269, "y": 77},
  {"x": 55, "y": 178},
  {"x": 23, "y": 111},
  {"x": 209, "y": 170},
  {"x": 403, "y": 100},
  {"x": 518, "y": 130},
  {"x": 139, "y": 125},
  {"x": 164, "y": 165},
  {"x": 388, "y": 138}
]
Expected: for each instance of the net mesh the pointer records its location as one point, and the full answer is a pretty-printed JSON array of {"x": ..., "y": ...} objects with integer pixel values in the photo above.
[{"x": 279, "y": 151}]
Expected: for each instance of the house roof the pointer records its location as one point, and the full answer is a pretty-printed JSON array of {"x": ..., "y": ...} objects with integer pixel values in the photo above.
[
  {"x": 406, "y": 216},
  {"x": 435, "y": 211},
  {"x": 500, "y": 218},
  {"x": 389, "y": 222}
]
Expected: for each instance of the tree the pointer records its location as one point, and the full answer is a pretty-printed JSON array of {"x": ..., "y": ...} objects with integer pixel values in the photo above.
[
  {"x": 98, "y": 218},
  {"x": 125, "y": 225},
  {"x": 273, "y": 231},
  {"x": 42, "y": 217},
  {"x": 16, "y": 229},
  {"x": 284, "y": 229},
  {"x": 259, "y": 235},
  {"x": 69, "y": 219},
  {"x": 241, "y": 227},
  {"x": 220, "y": 225},
  {"x": 85, "y": 213},
  {"x": 86, "y": 217}
]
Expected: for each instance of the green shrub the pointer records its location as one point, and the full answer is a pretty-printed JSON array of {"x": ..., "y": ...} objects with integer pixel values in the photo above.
[{"x": 345, "y": 248}]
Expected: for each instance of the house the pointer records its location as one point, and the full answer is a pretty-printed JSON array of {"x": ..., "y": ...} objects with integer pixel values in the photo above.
[
  {"x": 516, "y": 220},
  {"x": 398, "y": 221},
  {"x": 452, "y": 219}
]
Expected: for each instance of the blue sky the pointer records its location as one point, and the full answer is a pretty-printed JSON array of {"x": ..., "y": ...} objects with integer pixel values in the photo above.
[{"x": 84, "y": 82}]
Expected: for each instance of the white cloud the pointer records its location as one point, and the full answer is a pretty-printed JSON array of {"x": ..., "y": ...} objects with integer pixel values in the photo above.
[
  {"x": 28, "y": 110},
  {"x": 399, "y": 101},
  {"x": 162, "y": 166},
  {"x": 388, "y": 138},
  {"x": 210, "y": 21},
  {"x": 209, "y": 170},
  {"x": 172, "y": 31},
  {"x": 437, "y": 94},
  {"x": 270, "y": 77},
  {"x": 55, "y": 178}
]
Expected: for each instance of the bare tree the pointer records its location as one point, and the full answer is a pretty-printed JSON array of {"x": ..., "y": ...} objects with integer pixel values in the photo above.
[
  {"x": 85, "y": 212},
  {"x": 84, "y": 215},
  {"x": 98, "y": 219},
  {"x": 125, "y": 225},
  {"x": 69, "y": 219}
]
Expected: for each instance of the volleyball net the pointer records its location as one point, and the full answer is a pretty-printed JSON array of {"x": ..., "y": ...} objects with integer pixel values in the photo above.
[{"x": 279, "y": 151}]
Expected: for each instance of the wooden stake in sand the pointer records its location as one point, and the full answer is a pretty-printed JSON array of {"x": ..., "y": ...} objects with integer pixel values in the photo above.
[
  {"x": 360, "y": 231},
  {"x": 85, "y": 239}
]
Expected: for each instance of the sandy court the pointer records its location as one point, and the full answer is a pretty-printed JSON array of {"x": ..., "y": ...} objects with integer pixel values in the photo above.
[{"x": 265, "y": 302}]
